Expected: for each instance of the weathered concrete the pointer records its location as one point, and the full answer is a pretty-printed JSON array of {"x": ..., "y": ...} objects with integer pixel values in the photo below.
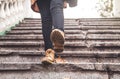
[
  {"x": 115, "y": 76},
  {"x": 91, "y": 51},
  {"x": 54, "y": 75}
]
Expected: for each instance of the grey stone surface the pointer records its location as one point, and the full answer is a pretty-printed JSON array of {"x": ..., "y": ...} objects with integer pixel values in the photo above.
[
  {"x": 91, "y": 51},
  {"x": 60, "y": 67},
  {"x": 104, "y": 31},
  {"x": 103, "y": 43},
  {"x": 110, "y": 67},
  {"x": 54, "y": 75},
  {"x": 102, "y": 23},
  {"x": 40, "y": 28},
  {"x": 100, "y": 67},
  {"x": 115, "y": 76},
  {"x": 39, "y": 43},
  {"x": 25, "y": 32},
  {"x": 86, "y": 27},
  {"x": 18, "y": 43},
  {"x": 39, "y": 31},
  {"x": 66, "y": 67},
  {"x": 19, "y": 37},
  {"x": 103, "y": 36},
  {"x": 107, "y": 54},
  {"x": 98, "y": 19},
  {"x": 39, "y": 37},
  {"x": 80, "y": 60},
  {"x": 67, "y": 53},
  {"x": 109, "y": 60},
  {"x": 4, "y": 53},
  {"x": 21, "y": 59},
  {"x": 114, "y": 67},
  {"x": 13, "y": 67}
]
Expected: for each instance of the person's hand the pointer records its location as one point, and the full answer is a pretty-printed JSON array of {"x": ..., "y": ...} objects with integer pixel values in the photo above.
[{"x": 65, "y": 4}]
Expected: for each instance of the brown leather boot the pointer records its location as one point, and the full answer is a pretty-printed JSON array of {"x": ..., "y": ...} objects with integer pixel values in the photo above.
[
  {"x": 57, "y": 38},
  {"x": 49, "y": 57}
]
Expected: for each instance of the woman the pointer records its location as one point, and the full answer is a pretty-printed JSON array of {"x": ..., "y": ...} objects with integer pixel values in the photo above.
[{"x": 52, "y": 27}]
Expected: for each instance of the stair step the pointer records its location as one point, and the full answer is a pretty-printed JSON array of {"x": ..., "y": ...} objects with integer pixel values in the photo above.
[
  {"x": 40, "y": 32},
  {"x": 49, "y": 74},
  {"x": 20, "y": 43},
  {"x": 66, "y": 67},
  {"x": 20, "y": 48},
  {"x": 108, "y": 31},
  {"x": 79, "y": 43},
  {"x": 103, "y": 36},
  {"x": 86, "y": 27},
  {"x": 38, "y": 19},
  {"x": 14, "y": 67},
  {"x": 103, "y": 43},
  {"x": 74, "y": 53},
  {"x": 23, "y": 37},
  {"x": 69, "y": 59},
  {"x": 39, "y": 37},
  {"x": 67, "y": 37},
  {"x": 100, "y": 23},
  {"x": 98, "y": 19},
  {"x": 33, "y": 43},
  {"x": 39, "y": 28},
  {"x": 75, "y": 19},
  {"x": 92, "y": 51},
  {"x": 39, "y": 24}
]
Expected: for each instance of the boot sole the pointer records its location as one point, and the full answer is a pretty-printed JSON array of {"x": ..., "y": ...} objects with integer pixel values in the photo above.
[
  {"x": 47, "y": 62},
  {"x": 58, "y": 40}
]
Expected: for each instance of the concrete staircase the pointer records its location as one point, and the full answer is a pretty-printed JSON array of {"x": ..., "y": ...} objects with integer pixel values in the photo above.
[{"x": 92, "y": 51}]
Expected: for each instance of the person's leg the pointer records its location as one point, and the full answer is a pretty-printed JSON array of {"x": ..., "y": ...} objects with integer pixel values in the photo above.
[
  {"x": 57, "y": 35},
  {"x": 44, "y": 6},
  {"x": 56, "y": 8}
]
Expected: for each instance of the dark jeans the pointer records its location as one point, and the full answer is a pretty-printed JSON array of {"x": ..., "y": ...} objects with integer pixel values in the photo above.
[{"x": 52, "y": 18}]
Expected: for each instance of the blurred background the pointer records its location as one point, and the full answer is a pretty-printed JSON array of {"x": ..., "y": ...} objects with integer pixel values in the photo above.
[
  {"x": 91, "y": 9},
  {"x": 14, "y": 11}
]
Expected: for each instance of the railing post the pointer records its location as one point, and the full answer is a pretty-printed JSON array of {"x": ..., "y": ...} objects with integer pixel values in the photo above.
[
  {"x": 2, "y": 16},
  {"x": 11, "y": 13}
]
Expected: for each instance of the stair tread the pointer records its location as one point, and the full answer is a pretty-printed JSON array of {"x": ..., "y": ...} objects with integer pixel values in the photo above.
[
  {"x": 39, "y": 32},
  {"x": 103, "y": 36},
  {"x": 103, "y": 31},
  {"x": 101, "y": 23},
  {"x": 38, "y": 27},
  {"x": 99, "y": 27},
  {"x": 65, "y": 53},
  {"x": 59, "y": 67},
  {"x": 67, "y": 37},
  {"x": 92, "y": 50},
  {"x": 90, "y": 34},
  {"x": 98, "y": 19},
  {"x": 33, "y": 43},
  {"x": 37, "y": 37},
  {"x": 67, "y": 43}
]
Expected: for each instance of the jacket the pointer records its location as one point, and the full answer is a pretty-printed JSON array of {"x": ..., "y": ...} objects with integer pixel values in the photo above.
[
  {"x": 34, "y": 6},
  {"x": 72, "y": 3}
]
